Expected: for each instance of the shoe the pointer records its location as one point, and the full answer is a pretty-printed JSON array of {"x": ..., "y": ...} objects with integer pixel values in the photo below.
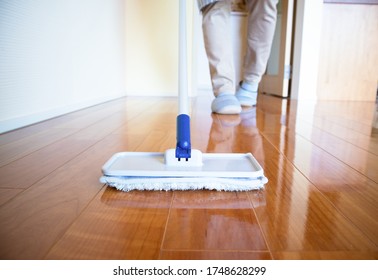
[
  {"x": 246, "y": 97},
  {"x": 226, "y": 104}
]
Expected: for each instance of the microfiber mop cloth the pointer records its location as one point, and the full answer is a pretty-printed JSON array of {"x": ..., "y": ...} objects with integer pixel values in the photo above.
[{"x": 182, "y": 183}]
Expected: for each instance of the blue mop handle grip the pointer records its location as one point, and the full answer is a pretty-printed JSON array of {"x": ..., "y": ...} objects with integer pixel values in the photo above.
[{"x": 183, "y": 146}]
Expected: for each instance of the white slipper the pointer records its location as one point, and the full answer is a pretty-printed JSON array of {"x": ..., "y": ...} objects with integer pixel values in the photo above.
[
  {"x": 246, "y": 97},
  {"x": 226, "y": 103}
]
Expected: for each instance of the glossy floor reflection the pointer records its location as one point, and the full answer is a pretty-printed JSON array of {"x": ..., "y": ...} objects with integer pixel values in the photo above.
[{"x": 321, "y": 201}]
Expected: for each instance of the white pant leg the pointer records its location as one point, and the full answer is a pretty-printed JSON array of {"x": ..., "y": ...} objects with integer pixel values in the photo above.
[
  {"x": 218, "y": 45},
  {"x": 262, "y": 15}
]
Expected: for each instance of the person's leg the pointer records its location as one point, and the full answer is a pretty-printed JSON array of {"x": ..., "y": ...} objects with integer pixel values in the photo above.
[
  {"x": 262, "y": 15},
  {"x": 216, "y": 34}
]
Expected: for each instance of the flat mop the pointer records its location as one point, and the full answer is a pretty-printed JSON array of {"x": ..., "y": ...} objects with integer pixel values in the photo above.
[{"x": 183, "y": 168}]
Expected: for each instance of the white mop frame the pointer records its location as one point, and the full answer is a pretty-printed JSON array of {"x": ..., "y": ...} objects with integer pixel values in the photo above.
[
  {"x": 183, "y": 168},
  {"x": 214, "y": 171}
]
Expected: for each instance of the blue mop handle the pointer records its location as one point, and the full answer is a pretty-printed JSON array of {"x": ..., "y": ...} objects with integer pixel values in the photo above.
[{"x": 183, "y": 146}]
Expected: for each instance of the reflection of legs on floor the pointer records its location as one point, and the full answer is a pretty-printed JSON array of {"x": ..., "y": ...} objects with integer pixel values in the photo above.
[
  {"x": 236, "y": 134},
  {"x": 248, "y": 117},
  {"x": 248, "y": 137},
  {"x": 222, "y": 133}
]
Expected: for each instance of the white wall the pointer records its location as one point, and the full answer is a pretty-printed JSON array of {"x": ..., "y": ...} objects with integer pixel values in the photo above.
[
  {"x": 152, "y": 46},
  {"x": 57, "y": 56}
]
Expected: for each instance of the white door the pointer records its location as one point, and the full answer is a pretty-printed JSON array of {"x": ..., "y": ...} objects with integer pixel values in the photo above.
[{"x": 276, "y": 80}]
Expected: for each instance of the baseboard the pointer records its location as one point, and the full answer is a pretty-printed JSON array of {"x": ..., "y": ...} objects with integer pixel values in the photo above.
[
  {"x": 155, "y": 94},
  {"x": 150, "y": 94},
  {"x": 19, "y": 122}
]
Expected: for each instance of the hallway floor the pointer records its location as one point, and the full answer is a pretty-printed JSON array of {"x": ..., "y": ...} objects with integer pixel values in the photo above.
[{"x": 321, "y": 201}]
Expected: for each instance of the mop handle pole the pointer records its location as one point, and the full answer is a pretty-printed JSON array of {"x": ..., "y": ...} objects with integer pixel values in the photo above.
[
  {"x": 183, "y": 77},
  {"x": 183, "y": 146}
]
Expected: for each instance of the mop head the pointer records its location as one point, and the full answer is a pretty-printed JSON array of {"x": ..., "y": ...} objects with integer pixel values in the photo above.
[
  {"x": 162, "y": 171},
  {"x": 181, "y": 183}
]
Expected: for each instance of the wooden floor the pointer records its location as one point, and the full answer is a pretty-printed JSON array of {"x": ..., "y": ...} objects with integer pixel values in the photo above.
[{"x": 321, "y": 201}]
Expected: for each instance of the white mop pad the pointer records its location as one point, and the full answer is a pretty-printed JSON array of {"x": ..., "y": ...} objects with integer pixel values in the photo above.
[{"x": 158, "y": 171}]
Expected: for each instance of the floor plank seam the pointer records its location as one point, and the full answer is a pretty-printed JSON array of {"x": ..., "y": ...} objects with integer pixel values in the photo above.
[
  {"x": 260, "y": 227},
  {"x": 72, "y": 222},
  {"x": 161, "y": 249},
  {"x": 343, "y": 139},
  {"x": 336, "y": 158}
]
